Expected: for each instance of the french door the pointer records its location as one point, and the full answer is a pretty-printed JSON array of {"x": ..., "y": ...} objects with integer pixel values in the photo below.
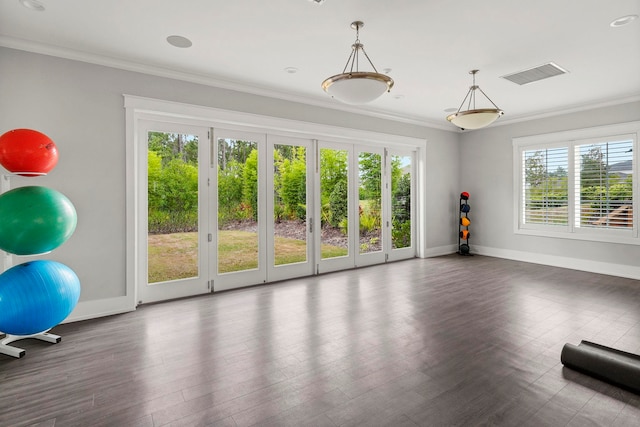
[
  {"x": 260, "y": 201},
  {"x": 335, "y": 238},
  {"x": 289, "y": 215},
  {"x": 364, "y": 204},
  {"x": 238, "y": 208},
  {"x": 372, "y": 224},
  {"x": 225, "y": 208},
  {"x": 401, "y": 243},
  {"x": 172, "y": 209}
]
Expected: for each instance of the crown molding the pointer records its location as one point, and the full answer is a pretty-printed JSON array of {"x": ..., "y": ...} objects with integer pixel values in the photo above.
[
  {"x": 568, "y": 110},
  {"x": 127, "y": 65},
  {"x": 158, "y": 71}
]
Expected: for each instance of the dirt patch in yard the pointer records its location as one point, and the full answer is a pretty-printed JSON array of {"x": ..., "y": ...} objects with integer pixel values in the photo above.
[{"x": 297, "y": 230}]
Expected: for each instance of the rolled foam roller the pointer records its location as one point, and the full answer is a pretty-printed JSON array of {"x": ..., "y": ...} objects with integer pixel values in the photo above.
[{"x": 604, "y": 363}]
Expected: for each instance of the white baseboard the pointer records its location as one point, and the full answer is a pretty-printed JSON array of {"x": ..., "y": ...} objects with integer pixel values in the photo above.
[
  {"x": 99, "y": 308},
  {"x": 619, "y": 270}
]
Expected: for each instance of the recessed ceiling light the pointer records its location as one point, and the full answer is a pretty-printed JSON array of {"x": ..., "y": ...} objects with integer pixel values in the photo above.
[
  {"x": 623, "y": 20},
  {"x": 32, "y": 4},
  {"x": 398, "y": 96},
  {"x": 179, "y": 41},
  {"x": 450, "y": 110},
  {"x": 291, "y": 70}
]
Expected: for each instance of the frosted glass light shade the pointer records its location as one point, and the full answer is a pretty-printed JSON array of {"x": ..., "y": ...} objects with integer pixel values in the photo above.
[
  {"x": 475, "y": 119},
  {"x": 357, "y": 87}
]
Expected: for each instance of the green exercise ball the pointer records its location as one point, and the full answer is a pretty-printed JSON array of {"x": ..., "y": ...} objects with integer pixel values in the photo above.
[{"x": 35, "y": 220}]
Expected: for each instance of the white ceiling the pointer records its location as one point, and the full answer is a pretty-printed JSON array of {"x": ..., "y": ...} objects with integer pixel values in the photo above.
[{"x": 429, "y": 45}]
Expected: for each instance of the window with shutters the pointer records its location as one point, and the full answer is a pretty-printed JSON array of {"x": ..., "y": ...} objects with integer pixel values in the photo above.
[
  {"x": 546, "y": 195},
  {"x": 579, "y": 184},
  {"x": 604, "y": 184}
]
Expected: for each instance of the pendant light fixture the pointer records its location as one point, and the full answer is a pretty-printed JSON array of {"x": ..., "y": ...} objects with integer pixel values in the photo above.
[
  {"x": 473, "y": 118},
  {"x": 353, "y": 86}
]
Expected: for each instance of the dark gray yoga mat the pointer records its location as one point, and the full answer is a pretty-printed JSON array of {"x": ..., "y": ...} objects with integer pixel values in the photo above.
[{"x": 605, "y": 363}]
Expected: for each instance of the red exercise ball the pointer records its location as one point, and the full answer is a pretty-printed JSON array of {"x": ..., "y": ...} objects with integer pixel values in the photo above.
[
  {"x": 464, "y": 195},
  {"x": 27, "y": 152}
]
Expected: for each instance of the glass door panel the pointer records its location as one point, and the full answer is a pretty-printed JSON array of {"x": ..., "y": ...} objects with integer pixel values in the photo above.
[
  {"x": 370, "y": 202},
  {"x": 400, "y": 202},
  {"x": 289, "y": 204},
  {"x": 237, "y": 205},
  {"x": 172, "y": 206},
  {"x": 239, "y": 237},
  {"x": 370, "y": 206},
  {"x": 334, "y": 203},
  {"x": 402, "y": 205},
  {"x": 290, "y": 187},
  {"x": 334, "y": 206},
  {"x": 175, "y": 254}
]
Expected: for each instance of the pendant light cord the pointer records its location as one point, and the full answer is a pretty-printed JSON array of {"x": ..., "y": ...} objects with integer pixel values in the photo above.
[{"x": 354, "y": 58}]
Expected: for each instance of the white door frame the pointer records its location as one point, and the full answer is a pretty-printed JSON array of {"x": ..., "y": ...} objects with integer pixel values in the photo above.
[
  {"x": 379, "y": 257},
  {"x": 239, "y": 279},
  {"x": 347, "y": 261},
  {"x": 146, "y": 292},
  {"x": 301, "y": 269},
  {"x": 409, "y": 251}
]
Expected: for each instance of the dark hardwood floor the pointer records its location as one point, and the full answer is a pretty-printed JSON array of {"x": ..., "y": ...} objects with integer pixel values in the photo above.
[{"x": 430, "y": 342}]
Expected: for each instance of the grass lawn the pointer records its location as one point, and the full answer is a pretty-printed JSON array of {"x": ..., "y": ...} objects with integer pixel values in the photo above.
[{"x": 174, "y": 256}]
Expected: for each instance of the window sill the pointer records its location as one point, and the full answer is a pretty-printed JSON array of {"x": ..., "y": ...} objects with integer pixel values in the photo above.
[{"x": 623, "y": 238}]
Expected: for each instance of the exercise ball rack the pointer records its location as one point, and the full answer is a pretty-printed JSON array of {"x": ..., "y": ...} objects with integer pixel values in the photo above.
[{"x": 5, "y": 348}]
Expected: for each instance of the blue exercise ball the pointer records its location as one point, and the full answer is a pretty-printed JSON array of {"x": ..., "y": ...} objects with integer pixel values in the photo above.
[
  {"x": 35, "y": 220},
  {"x": 35, "y": 296}
]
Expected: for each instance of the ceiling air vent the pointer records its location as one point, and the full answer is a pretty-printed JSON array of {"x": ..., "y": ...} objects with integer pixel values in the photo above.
[{"x": 536, "y": 73}]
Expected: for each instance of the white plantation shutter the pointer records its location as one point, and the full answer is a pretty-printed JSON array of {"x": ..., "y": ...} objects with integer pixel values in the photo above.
[
  {"x": 579, "y": 184},
  {"x": 545, "y": 179},
  {"x": 603, "y": 184}
]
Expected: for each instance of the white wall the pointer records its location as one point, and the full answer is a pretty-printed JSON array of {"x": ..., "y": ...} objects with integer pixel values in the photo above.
[
  {"x": 443, "y": 187},
  {"x": 487, "y": 165},
  {"x": 80, "y": 106}
]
